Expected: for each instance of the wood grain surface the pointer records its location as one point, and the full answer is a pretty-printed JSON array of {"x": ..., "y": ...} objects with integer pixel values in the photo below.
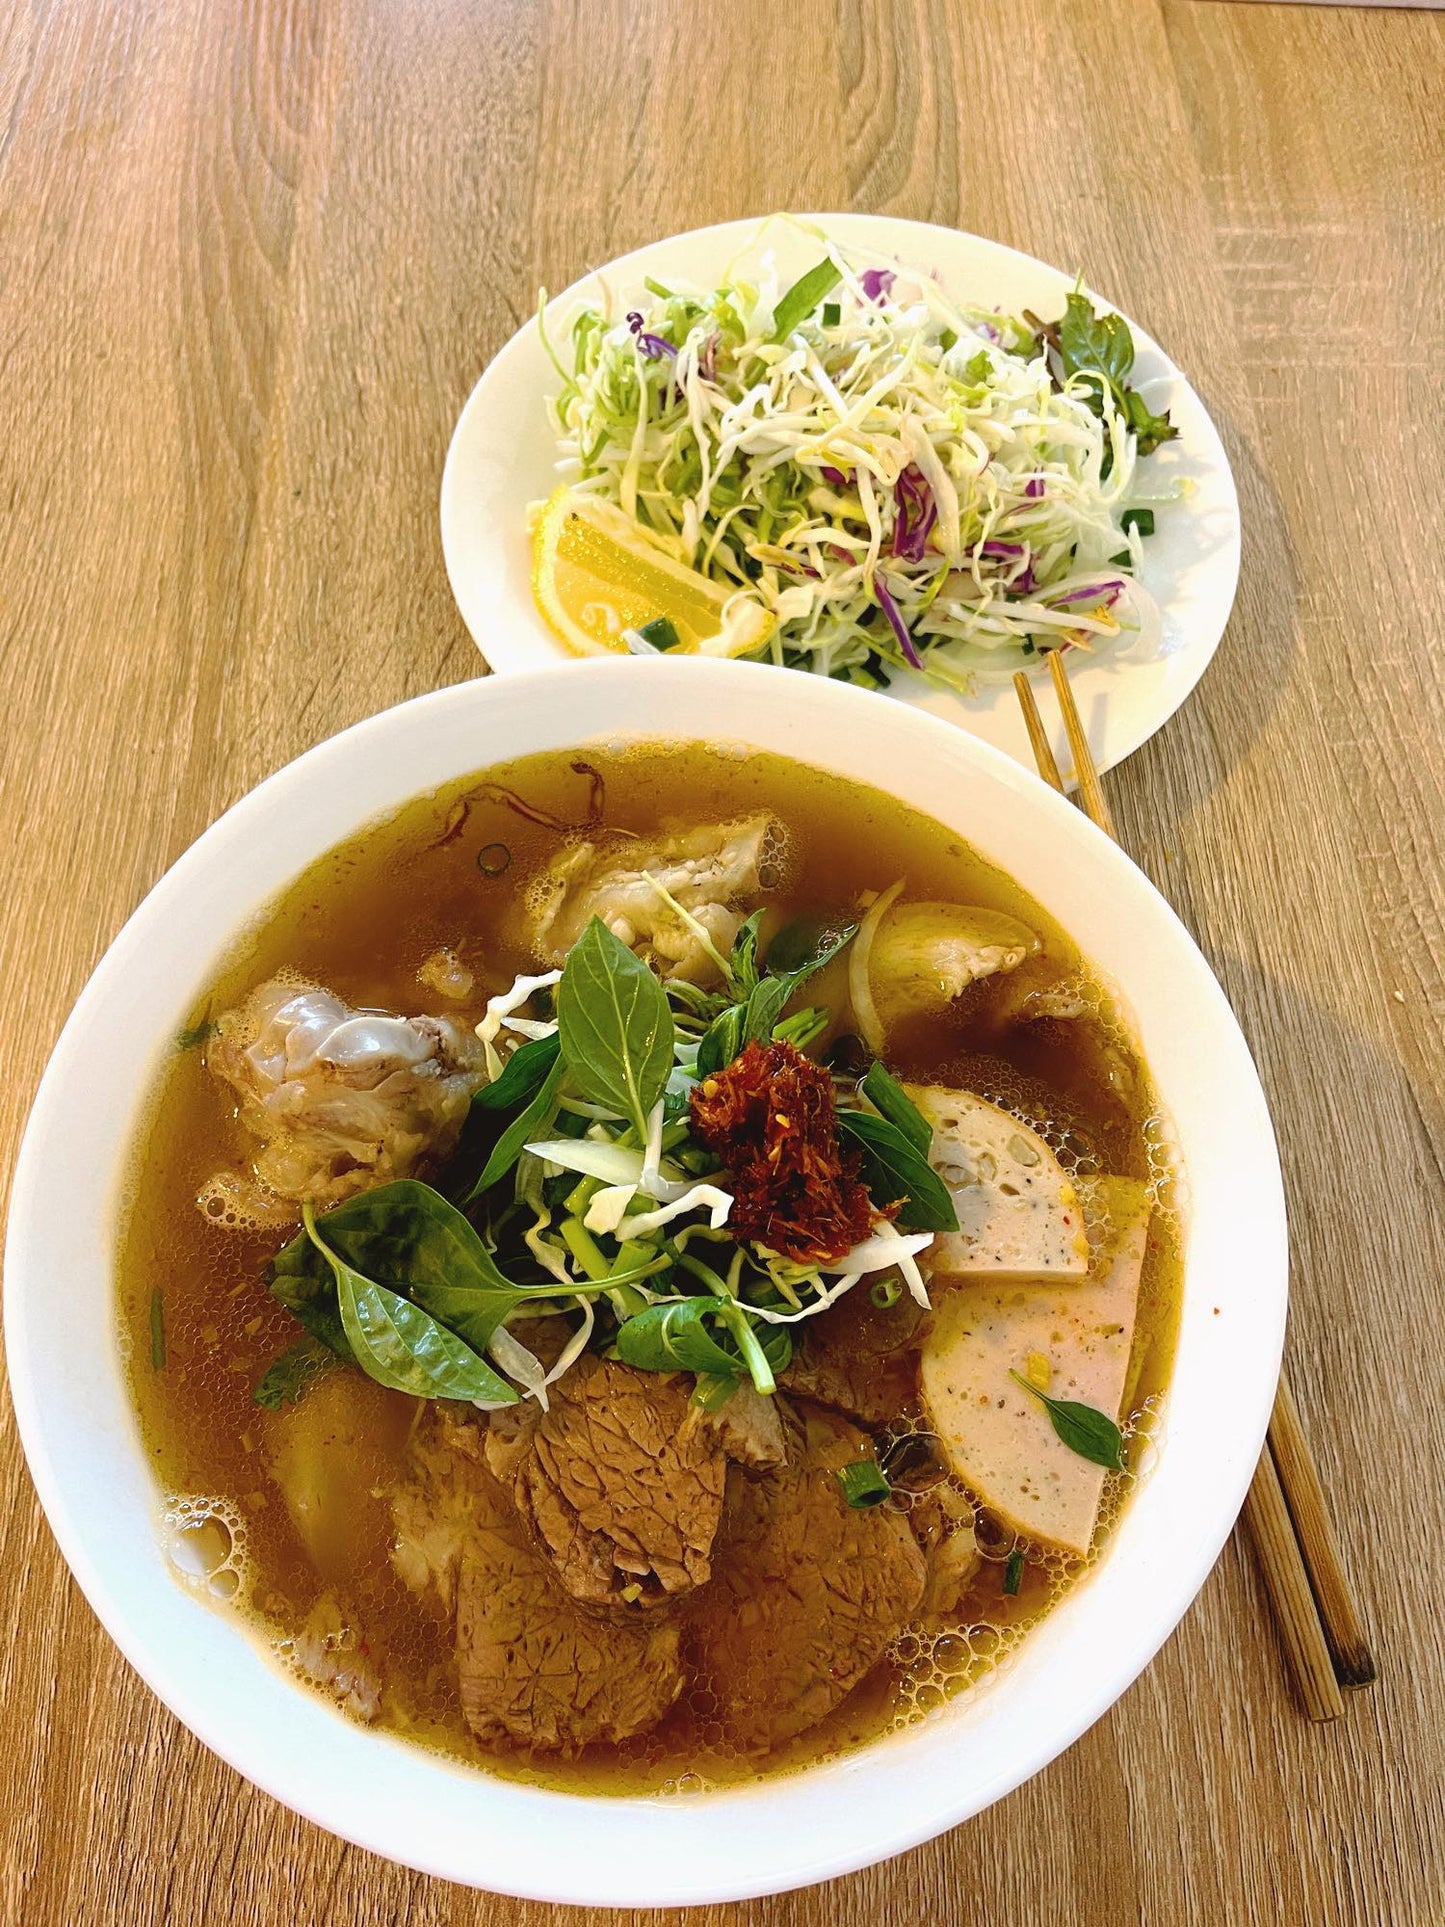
[{"x": 253, "y": 253}]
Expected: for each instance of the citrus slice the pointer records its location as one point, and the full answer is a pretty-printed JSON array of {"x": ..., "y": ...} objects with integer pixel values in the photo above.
[{"x": 596, "y": 575}]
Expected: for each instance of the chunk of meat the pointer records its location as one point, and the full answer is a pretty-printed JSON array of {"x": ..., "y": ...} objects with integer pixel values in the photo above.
[
  {"x": 1077, "y": 1338},
  {"x": 747, "y": 1427},
  {"x": 855, "y": 1357},
  {"x": 342, "y": 1099},
  {"x": 1018, "y": 1211},
  {"x": 808, "y": 1591},
  {"x": 330, "y": 1455},
  {"x": 534, "y": 1667},
  {"x": 923, "y": 956},
  {"x": 716, "y": 872},
  {"x": 327, "y": 1652},
  {"x": 623, "y": 1497}
]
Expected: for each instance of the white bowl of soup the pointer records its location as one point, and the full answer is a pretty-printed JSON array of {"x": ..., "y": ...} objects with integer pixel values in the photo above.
[{"x": 803, "y": 1491}]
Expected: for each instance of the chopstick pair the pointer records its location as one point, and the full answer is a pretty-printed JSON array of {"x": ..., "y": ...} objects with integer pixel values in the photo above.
[{"x": 1318, "y": 1619}]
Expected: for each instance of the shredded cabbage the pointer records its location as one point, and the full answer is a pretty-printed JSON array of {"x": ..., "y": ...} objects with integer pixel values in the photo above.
[{"x": 900, "y": 478}]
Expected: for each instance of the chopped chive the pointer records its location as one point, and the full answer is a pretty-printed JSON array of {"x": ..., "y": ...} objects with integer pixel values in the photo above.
[
  {"x": 194, "y": 1034},
  {"x": 832, "y": 314},
  {"x": 493, "y": 859},
  {"x": 660, "y": 633},
  {"x": 886, "y": 1293},
  {"x": 1123, "y": 560},
  {"x": 947, "y": 339},
  {"x": 656, "y": 287},
  {"x": 1013, "y": 1572},
  {"x": 863, "y": 1483},
  {"x": 1028, "y": 645},
  {"x": 1141, "y": 519},
  {"x": 158, "y": 1330}
]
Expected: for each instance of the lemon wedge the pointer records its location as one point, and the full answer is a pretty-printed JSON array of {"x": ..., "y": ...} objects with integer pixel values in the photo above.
[{"x": 596, "y": 574}]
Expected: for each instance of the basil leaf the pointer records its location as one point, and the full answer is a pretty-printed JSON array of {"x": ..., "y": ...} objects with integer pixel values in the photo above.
[
  {"x": 807, "y": 942},
  {"x": 887, "y": 1095},
  {"x": 288, "y": 1378},
  {"x": 674, "y": 1337},
  {"x": 401, "y": 1346},
  {"x": 721, "y": 1041},
  {"x": 1083, "y": 1428},
  {"x": 895, "y": 1168},
  {"x": 615, "y": 1025},
  {"x": 523, "y": 1075},
  {"x": 743, "y": 960},
  {"x": 1149, "y": 429},
  {"x": 804, "y": 295},
  {"x": 671, "y": 1338},
  {"x": 1095, "y": 343},
  {"x": 526, "y": 1125},
  {"x": 764, "y": 1007},
  {"x": 409, "y": 1234}
]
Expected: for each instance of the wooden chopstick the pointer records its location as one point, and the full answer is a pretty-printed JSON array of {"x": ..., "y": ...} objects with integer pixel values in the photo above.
[
  {"x": 1289, "y": 1590},
  {"x": 1354, "y": 1665},
  {"x": 1318, "y": 1619},
  {"x": 1038, "y": 735},
  {"x": 1086, "y": 773}
]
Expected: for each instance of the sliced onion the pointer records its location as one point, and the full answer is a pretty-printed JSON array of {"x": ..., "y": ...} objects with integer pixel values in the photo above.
[{"x": 860, "y": 991}]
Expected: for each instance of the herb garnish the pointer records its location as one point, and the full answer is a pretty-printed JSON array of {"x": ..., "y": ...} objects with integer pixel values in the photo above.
[
  {"x": 615, "y": 1026},
  {"x": 1083, "y": 1428}
]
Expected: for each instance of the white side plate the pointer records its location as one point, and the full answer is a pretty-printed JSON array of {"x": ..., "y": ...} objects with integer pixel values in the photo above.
[{"x": 503, "y": 456}]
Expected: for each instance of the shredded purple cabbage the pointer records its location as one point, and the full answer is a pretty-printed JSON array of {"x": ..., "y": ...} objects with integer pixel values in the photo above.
[
  {"x": 916, "y": 514},
  {"x": 876, "y": 282},
  {"x": 1009, "y": 550},
  {"x": 1106, "y": 593},
  {"x": 896, "y": 622},
  {"x": 1034, "y": 486},
  {"x": 653, "y": 346},
  {"x": 835, "y": 476},
  {"x": 707, "y": 361}
]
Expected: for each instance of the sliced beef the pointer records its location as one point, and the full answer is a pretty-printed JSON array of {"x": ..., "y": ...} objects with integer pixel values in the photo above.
[
  {"x": 807, "y": 1591},
  {"x": 857, "y": 1359},
  {"x": 748, "y": 1428},
  {"x": 623, "y": 1496},
  {"x": 534, "y": 1667}
]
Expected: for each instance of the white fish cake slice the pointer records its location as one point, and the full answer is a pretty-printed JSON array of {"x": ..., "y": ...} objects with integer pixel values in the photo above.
[
  {"x": 997, "y": 1437},
  {"x": 1018, "y": 1211}
]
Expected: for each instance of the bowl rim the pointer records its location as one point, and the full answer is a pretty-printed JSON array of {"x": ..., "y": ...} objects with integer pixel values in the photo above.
[{"x": 524, "y": 1814}]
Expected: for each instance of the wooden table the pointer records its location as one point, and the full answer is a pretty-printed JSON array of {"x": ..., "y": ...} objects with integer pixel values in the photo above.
[{"x": 253, "y": 258}]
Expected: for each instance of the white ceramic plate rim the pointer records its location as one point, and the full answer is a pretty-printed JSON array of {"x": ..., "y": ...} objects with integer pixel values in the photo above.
[
  {"x": 89, "y": 1467},
  {"x": 502, "y": 452}
]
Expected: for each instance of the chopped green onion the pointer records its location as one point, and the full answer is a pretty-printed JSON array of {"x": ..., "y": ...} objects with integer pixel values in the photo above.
[
  {"x": 947, "y": 339},
  {"x": 656, "y": 287},
  {"x": 1141, "y": 519},
  {"x": 659, "y": 632},
  {"x": 493, "y": 859},
  {"x": 1013, "y": 1572},
  {"x": 804, "y": 295},
  {"x": 886, "y": 1293},
  {"x": 832, "y": 314},
  {"x": 585, "y": 1249},
  {"x": 158, "y": 1330},
  {"x": 863, "y": 1483}
]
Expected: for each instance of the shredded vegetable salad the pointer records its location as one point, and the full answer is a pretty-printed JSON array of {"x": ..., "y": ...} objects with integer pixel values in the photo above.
[{"x": 901, "y": 480}]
